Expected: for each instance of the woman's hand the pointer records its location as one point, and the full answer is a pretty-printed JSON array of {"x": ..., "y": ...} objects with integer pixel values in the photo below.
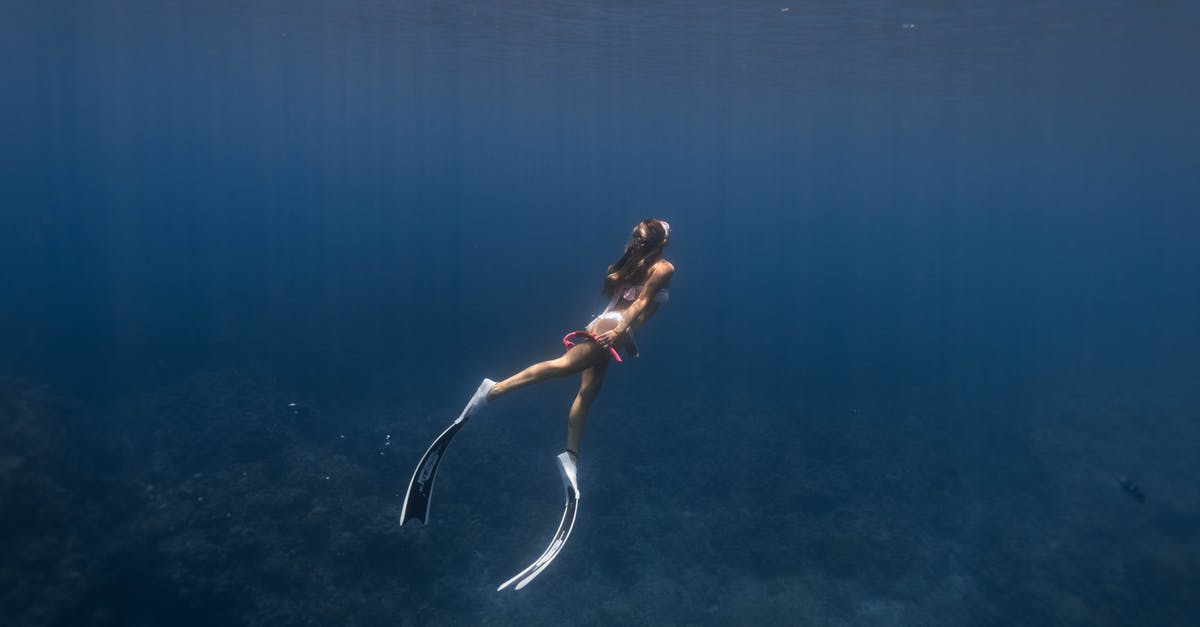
[{"x": 608, "y": 337}]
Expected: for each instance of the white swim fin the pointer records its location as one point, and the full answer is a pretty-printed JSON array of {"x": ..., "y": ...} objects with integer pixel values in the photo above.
[{"x": 566, "y": 468}]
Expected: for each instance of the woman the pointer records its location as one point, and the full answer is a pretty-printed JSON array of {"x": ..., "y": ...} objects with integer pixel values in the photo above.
[{"x": 637, "y": 284}]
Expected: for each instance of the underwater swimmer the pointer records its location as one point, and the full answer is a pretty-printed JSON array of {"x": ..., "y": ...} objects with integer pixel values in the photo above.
[{"x": 637, "y": 285}]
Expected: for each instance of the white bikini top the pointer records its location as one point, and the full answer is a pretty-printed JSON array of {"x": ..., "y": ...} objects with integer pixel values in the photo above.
[{"x": 631, "y": 293}]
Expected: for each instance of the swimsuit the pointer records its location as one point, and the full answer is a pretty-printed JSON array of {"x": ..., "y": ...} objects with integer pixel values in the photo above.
[{"x": 623, "y": 292}]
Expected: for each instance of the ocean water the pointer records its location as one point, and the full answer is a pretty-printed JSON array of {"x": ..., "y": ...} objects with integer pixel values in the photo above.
[{"x": 930, "y": 356}]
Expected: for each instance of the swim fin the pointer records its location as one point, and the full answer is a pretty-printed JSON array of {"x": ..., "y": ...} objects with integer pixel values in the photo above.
[
  {"x": 566, "y": 467},
  {"x": 420, "y": 487}
]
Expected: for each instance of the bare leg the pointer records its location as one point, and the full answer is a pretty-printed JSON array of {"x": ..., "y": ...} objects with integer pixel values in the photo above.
[
  {"x": 589, "y": 387},
  {"x": 576, "y": 359}
]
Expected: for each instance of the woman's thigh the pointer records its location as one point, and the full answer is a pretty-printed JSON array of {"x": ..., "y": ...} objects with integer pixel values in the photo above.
[
  {"x": 593, "y": 378},
  {"x": 584, "y": 355}
]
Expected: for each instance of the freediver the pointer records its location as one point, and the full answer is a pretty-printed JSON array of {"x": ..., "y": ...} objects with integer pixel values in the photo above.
[{"x": 637, "y": 284}]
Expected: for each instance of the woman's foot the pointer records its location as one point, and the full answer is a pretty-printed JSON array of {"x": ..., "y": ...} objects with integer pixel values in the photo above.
[
  {"x": 479, "y": 400},
  {"x": 568, "y": 469}
]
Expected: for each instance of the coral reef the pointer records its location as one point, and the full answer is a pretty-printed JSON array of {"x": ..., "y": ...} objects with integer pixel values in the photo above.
[
  {"x": 40, "y": 557},
  {"x": 230, "y": 499}
]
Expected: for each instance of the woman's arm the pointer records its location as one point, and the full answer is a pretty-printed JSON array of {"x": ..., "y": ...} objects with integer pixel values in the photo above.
[{"x": 660, "y": 278}]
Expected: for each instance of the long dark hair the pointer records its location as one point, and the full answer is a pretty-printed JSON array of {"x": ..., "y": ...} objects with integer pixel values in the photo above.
[{"x": 645, "y": 246}]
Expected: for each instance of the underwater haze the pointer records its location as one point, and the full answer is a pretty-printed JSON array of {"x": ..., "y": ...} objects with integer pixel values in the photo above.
[{"x": 930, "y": 356}]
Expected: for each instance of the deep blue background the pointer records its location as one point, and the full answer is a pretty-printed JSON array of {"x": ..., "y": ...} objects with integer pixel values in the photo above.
[
  {"x": 991, "y": 192},
  {"x": 924, "y": 203}
]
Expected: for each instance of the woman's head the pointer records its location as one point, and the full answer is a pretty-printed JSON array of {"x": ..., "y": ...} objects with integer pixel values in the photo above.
[
  {"x": 654, "y": 231},
  {"x": 645, "y": 246}
]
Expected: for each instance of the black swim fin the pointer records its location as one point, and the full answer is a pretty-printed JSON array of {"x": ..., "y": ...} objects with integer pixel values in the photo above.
[{"x": 420, "y": 487}]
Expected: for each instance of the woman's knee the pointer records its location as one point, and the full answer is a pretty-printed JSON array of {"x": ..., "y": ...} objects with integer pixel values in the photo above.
[
  {"x": 588, "y": 393},
  {"x": 587, "y": 397}
]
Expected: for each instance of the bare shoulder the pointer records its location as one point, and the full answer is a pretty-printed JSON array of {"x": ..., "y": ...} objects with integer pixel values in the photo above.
[{"x": 664, "y": 269}]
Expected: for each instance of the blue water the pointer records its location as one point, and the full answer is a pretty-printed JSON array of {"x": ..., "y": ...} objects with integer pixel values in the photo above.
[{"x": 936, "y": 292}]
